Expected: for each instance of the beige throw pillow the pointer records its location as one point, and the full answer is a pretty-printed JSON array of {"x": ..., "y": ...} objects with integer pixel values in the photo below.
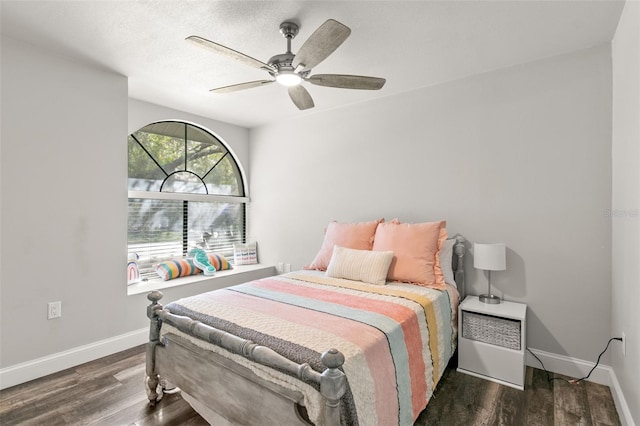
[{"x": 360, "y": 265}]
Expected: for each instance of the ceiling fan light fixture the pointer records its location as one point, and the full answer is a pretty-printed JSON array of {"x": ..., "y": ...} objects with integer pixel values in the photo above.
[{"x": 288, "y": 78}]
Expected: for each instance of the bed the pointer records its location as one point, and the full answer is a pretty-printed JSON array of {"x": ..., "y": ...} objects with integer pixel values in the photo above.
[{"x": 306, "y": 348}]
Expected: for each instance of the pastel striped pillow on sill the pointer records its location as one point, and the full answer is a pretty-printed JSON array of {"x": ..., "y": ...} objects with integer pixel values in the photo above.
[
  {"x": 170, "y": 269},
  {"x": 183, "y": 267}
]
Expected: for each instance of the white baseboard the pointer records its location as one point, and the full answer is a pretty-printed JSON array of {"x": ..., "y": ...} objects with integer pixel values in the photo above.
[
  {"x": 572, "y": 367},
  {"x": 26, "y": 371},
  {"x": 621, "y": 403},
  {"x": 577, "y": 368}
]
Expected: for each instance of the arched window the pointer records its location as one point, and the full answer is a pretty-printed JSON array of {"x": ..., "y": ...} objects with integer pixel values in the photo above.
[{"x": 185, "y": 190}]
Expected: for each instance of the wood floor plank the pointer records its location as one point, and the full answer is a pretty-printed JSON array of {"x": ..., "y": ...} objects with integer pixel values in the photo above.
[
  {"x": 34, "y": 390},
  {"x": 65, "y": 399},
  {"x": 508, "y": 407},
  {"x": 173, "y": 411},
  {"x": 131, "y": 373},
  {"x": 601, "y": 405},
  {"x": 445, "y": 395},
  {"x": 570, "y": 402},
  {"x": 539, "y": 409},
  {"x": 100, "y": 405},
  {"x": 481, "y": 396},
  {"x": 460, "y": 399}
]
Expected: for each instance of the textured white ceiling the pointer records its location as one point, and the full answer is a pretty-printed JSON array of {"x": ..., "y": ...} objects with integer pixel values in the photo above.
[{"x": 412, "y": 44}]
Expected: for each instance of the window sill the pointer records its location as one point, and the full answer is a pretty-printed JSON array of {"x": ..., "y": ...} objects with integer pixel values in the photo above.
[{"x": 237, "y": 275}]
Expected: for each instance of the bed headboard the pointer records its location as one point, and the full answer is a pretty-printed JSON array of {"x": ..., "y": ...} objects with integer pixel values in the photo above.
[{"x": 458, "y": 264}]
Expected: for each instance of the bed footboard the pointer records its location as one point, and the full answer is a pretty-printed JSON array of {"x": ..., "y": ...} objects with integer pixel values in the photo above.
[{"x": 332, "y": 380}]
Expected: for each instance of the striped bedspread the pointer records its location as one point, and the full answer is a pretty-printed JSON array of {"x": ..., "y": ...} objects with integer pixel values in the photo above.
[{"x": 396, "y": 338}]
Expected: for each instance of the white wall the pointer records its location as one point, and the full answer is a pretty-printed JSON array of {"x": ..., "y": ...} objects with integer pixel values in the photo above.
[
  {"x": 520, "y": 156},
  {"x": 64, "y": 203},
  {"x": 626, "y": 203}
]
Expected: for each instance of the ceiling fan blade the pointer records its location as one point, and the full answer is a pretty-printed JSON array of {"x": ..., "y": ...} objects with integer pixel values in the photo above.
[
  {"x": 327, "y": 38},
  {"x": 241, "y": 86},
  {"x": 228, "y": 52},
  {"x": 347, "y": 81},
  {"x": 301, "y": 97}
]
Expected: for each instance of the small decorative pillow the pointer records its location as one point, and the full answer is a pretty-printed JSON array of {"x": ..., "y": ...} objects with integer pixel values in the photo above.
[
  {"x": 171, "y": 269},
  {"x": 415, "y": 247},
  {"x": 219, "y": 262},
  {"x": 360, "y": 265},
  {"x": 245, "y": 254},
  {"x": 357, "y": 236}
]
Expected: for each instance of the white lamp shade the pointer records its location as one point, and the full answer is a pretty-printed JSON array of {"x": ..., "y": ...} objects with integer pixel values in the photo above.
[{"x": 490, "y": 257}]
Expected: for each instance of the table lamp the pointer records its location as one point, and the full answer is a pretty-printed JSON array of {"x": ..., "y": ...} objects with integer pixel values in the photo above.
[{"x": 489, "y": 257}]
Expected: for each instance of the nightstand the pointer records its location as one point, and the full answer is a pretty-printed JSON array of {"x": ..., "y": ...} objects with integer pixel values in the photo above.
[{"x": 491, "y": 341}]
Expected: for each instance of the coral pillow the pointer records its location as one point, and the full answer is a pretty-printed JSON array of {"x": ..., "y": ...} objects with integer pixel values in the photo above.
[
  {"x": 357, "y": 236},
  {"x": 360, "y": 265},
  {"x": 415, "y": 247}
]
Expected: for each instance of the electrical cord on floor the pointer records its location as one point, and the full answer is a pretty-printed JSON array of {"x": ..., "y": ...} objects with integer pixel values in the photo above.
[{"x": 575, "y": 381}]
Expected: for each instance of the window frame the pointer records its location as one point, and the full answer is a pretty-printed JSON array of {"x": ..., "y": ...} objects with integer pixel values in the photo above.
[{"x": 187, "y": 197}]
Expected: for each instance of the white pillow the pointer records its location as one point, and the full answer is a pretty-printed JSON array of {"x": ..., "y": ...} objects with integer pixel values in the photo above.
[
  {"x": 360, "y": 265},
  {"x": 446, "y": 259}
]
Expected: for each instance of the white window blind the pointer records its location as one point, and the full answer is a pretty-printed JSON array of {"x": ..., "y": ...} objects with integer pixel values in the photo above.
[{"x": 165, "y": 226}]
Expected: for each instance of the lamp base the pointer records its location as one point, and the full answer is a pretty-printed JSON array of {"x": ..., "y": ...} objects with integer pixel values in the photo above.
[{"x": 489, "y": 298}]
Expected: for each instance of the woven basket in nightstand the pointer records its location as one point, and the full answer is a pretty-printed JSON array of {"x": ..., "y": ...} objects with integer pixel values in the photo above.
[{"x": 489, "y": 329}]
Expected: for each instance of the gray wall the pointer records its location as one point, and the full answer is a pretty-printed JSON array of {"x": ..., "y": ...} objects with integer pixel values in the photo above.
[
  {"x": 64, "y": 202},
  {"x": 626, "y": 203},
  {"x": 519, "y": 156}
]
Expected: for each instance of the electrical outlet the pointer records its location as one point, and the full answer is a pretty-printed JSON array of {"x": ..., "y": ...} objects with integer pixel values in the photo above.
[
  {"x": 624, "y": 344},
  {"x": 287, "y": 267},
  {"x": 280, "y": 267},
  {"x": 54, "y": 310}
]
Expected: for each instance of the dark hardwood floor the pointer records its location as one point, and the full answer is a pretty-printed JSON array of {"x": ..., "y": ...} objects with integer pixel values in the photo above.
[
  {"x": 110, "y": 391},
  {"x": 461, "y": 399}
]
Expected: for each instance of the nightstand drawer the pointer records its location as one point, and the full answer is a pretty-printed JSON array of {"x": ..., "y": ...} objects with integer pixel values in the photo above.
[{"x": 491, "y": 361}]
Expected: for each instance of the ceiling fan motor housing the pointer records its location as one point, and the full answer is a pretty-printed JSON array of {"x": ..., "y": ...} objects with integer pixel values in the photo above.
[{"x": 284, "y": 62}]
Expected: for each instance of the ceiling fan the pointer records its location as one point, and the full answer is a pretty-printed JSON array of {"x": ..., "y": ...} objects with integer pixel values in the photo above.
[{"x": 291, "y": 69}]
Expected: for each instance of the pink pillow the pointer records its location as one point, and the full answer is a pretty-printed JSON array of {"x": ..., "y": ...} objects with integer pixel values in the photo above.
[
  {"x": 415, "y": 247},
  {"x": 358, "y": 236}
]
